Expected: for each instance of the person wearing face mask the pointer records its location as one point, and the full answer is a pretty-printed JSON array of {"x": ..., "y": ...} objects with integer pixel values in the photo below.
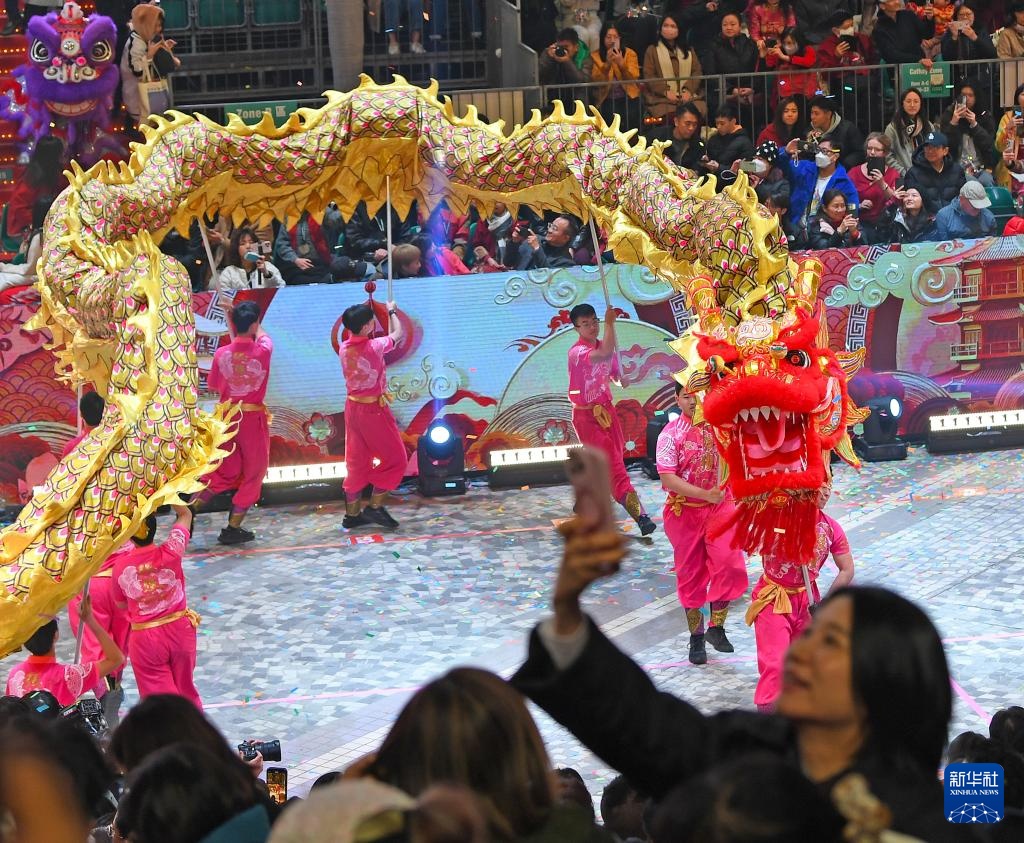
[
  {"x": 1011, "y": 40},
  {"x": 669, "y": 67},
  {"x": 813, "y": 16},
  {"x": 808, "y": 182},
  {"x": 794, "y": 59},
  {"x": 971, "y": 134},
  {"x": 846, "y": 51},
  {"x": 909, "y": 220}
]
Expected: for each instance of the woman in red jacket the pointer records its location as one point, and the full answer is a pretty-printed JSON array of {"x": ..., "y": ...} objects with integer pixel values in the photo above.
[{"x": 794, "y": 59}]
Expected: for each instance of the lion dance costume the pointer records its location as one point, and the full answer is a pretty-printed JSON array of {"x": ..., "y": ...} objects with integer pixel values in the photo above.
[
  {"x": 69, "y": 78},
  {"x": 121, "y": 316}
]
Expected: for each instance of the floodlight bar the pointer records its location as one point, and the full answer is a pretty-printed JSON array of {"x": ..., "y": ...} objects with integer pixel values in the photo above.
[
  {"x": 988, "y": 431},
  {"x": 311, "y": 473},
  {"x": 530, "y": 456}
]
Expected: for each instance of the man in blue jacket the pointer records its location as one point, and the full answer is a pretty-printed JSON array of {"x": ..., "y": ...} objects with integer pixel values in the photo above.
[
  {"x": 808, "y": 181},
  {"x": 967, "y": 216}
]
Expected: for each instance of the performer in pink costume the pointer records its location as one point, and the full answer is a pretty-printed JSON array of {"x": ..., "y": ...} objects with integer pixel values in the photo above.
[
  {"x": 115, "y": 622},
  {"x": 780, "y": 610},
  {"x": 240, "y": 373},
  {"x": 371, "y": 432},
  {"x": 67, "y": 682},
  {"x": 90, "y": 408},
  {"x": 592, "y": 364},
  {"x": 149, "y": 584},
  {"x": 707, "y": 570}
]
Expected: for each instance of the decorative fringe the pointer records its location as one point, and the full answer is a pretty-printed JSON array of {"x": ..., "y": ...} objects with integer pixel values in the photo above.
[{"x": 782, "y": 523}]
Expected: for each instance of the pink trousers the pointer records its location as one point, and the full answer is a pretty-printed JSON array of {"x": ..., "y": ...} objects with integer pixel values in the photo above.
[
  {"x": 372, "y": 433},
  {"x": 114, "y": 621},
  {"x": 245, "y": 467},
  {"x": 608, "y": 439},
  {"x": 164, "y": 659},
  {"x": 706, "y": 570},
  {"x": 773, "y": 634}
]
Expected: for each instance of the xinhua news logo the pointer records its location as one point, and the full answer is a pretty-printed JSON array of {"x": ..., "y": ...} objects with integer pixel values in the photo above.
[{"x": 974, "y": 793}]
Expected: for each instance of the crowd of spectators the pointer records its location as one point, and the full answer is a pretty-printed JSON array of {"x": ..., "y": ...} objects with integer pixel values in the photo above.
[
  {"x": 853, "y": 750},
  {"x": 718, "y": 80}
]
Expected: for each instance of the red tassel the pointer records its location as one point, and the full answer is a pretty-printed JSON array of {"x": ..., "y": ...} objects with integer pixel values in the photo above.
[{"x": 783, "y": 525}]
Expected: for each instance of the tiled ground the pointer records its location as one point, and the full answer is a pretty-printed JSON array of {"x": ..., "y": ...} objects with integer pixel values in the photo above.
[{"x": 314, "y": 638}]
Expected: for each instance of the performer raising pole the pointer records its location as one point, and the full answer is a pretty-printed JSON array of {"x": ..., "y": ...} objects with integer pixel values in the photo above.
[
  {"x": 374, "y": 451},
  {"x": 391, "y": 246},
  {"x": 240, "y": 373},
  {"x": 592, "y": 364}
]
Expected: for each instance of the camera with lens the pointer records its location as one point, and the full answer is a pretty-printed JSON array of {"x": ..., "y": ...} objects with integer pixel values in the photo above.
[
  {"x": 807, "y": 149},
  {"x": 270, "y": 750},
  {"x": 87, "y": 714},
  {"x": 771, "y": 42},
  {"x": 561, "y": 51}
]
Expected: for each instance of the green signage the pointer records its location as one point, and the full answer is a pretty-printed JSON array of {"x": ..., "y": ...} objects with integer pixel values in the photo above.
[
  {"x": 934, "y": 81},
  {"x": 252, "y": 112}
]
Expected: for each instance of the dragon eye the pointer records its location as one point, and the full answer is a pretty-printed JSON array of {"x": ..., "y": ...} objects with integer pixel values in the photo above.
[
  {"x": 796, "y": 357},
  {"x": 39, "y": 52},
  {"x": 101, "y": 51}
]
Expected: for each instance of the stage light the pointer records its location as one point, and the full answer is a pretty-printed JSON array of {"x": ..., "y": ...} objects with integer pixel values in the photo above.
[
  {"x": 517, "y": 467},
  {"x": 963, "y": 432},
  {"x": 878, "y": 441},
  {"x": 440, "y": 457},
  {"x": 654, "y": 427}
]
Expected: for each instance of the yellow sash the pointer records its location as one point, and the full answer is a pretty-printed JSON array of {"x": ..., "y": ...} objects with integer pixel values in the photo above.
[
  {"x": 107, "y": 573},
  {"x": 256, "y": 408},
  {"x": 774, "y": 593},
  {"x": 193, "y": 618},
  {"x": 677, "y": 503},
  {"x": 384, "y": 399},
  {"x": 600, "y": 411}
]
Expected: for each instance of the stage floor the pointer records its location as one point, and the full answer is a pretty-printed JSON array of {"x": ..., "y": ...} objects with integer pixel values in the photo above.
[{"x": 317, "y": 637}]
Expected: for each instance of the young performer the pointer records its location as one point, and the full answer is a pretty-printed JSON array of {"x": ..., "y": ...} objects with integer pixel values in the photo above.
[
  {"x": 115, "y": 622},
  {"x": 371, "y": 432},
  {"x": 67, "y": 682},
  {"x": 592, "y": 363},
  {"x": 149, "y": 584},
  {"x": 779, "y": 608},
  {"x": 90, "y": 408},
  {"x": 240, "y": 373},
  {"x": 706, "y": 570}
]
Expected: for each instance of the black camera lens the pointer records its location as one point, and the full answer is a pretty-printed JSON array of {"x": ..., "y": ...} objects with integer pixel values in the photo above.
[
  {"x": 561, "y": 52},
  {"x": 270, "y": 750}
]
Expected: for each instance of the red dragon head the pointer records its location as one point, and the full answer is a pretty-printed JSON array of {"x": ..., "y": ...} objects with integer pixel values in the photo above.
[{"x": 776, "y": 396}]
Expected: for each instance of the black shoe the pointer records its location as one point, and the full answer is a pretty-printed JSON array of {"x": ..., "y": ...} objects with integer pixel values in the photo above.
[
  {"x": 235, "y": 535},
  {"x": 13, "y": 28},
  {"x": 351, "y": 521},
  {"x": 379, "y": 515},
  {"x": 646, "y": 525},
  {"x": 717, "y": 639},
  {"x": 698, "y": 655}
]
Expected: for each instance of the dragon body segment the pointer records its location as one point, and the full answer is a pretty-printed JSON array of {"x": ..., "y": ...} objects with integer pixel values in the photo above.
[{"x": 120, "y": 312}]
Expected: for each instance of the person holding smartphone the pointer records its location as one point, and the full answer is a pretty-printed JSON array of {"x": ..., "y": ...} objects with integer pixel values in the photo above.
[
  {"x": 619, "y": 66},
  {"x": 248, "y": 264},
  {"x": 836, "y": 225},
  {"x": 876, "y": 185},
  {"x": 1008, "y": 144},
  {"x": 971, "y": 134}
]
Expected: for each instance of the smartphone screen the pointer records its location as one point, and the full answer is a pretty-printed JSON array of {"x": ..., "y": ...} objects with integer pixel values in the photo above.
[
  {"x": 266, "y": 247},
  {"x": 277, "y": 784}
]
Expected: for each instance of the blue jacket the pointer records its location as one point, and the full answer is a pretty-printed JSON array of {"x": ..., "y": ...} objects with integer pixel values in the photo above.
[
  {"x": 951, "y": 222},
  {"x": 802, "y": 177}
]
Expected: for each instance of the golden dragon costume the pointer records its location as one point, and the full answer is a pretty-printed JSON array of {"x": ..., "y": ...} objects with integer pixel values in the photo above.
[{"x": 121, "y": 318}]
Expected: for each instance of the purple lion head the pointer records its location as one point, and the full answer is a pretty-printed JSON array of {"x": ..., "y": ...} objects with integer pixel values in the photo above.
[{"x": 71, "y": 73}]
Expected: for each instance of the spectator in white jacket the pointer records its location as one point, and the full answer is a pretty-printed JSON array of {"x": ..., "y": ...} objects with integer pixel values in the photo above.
[{"x": 247, "y": 266}]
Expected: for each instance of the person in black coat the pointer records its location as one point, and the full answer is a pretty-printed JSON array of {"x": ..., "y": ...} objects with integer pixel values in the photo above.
[
  {"x": 366, "y": 237},
  {"x": 937, "y": 176},
  {"x": 827, "y": 122},
  {"x": 909, "y": 221},
  {"x": 866, "y": 690},
  {"x": 833, "y": 227},
  {"x": 899, "y": 32},
  {"x": 732, "y": 55},
  {"x": 729, "y": 142},
  {"x": 971, "y": 133},
  {"x": 685, "y": 149},
  {"x": 701, "y": 20}
]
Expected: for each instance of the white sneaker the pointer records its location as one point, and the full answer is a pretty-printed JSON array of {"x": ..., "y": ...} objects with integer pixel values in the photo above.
[
  {"x": 417, "y": 47},
  {"x": 393, "y": 49}
]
